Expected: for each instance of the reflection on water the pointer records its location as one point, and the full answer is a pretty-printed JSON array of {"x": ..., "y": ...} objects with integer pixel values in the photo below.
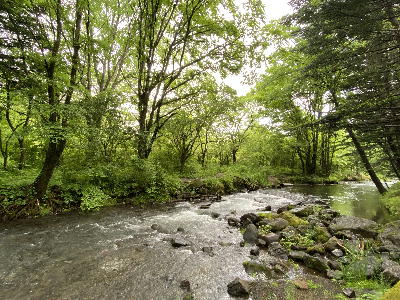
[{"x": 355, "y": 199}]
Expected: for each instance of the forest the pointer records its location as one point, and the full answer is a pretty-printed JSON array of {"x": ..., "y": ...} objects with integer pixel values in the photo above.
[{"x": 129, "y": 101}]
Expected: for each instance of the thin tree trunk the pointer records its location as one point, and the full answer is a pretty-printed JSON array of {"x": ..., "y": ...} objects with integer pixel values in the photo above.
[{"x": 366, "y": 162}]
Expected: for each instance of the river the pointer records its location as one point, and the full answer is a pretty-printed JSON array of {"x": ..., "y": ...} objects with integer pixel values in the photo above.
[{"x": 115, "y": 254}]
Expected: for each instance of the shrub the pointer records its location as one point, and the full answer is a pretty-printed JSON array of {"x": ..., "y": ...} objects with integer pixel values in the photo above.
[{"x": 93, "y": 198}]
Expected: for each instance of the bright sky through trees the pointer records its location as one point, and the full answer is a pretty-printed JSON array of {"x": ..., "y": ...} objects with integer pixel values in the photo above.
[{"x": 274, "y": 9}]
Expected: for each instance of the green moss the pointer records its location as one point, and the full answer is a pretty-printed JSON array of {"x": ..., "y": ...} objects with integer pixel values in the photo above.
[
  {"x": 393, "y": 293},
  {"x": 264, "y": 229},
  {"x": 318, "y": 248},
  {"x": 254, "y": 267},
  {"x": 321, "y": 234},
  {"x": 268, "y": 215},
  {"x": 292, "y": 219}
]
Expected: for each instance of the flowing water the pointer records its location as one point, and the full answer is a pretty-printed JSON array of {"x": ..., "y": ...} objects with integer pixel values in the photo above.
[{"x": 115, "y": 254}]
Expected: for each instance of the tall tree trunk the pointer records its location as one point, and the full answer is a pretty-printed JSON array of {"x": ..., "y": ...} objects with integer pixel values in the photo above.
[
  {"x": 56, "y": 146},
  {"x": 366, "y": 162}
]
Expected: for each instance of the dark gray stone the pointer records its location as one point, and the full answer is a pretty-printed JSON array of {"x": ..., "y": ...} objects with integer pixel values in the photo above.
[
  {"x": 249, "y": 218},
  {"x": 179, "y": 242},
  {"x": 238, "y": 288},
  {"x": 363, "y": 227},
  {"x": 313, "y": 262},
  {"x": 278, "y": 224},
  {"x": 205, "y": 206},
  {"x": 277, "y": 250},
  {"x": 180, "y": 229},
  {"x": 185, "y": 285},
  {"x": 251, "y": 234},
  {"x": 208, "y": 250},
  {"x": 232, "y": 221},
  {"x": 215, "y": 215},
  {"x": 255, "y": 251}
]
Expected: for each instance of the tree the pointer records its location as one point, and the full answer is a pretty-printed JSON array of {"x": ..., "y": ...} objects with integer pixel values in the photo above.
[{"x": 176, "y": 43}]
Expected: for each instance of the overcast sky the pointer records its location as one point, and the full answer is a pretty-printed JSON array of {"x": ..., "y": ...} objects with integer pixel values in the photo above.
[{"x": 274, "y": 9}]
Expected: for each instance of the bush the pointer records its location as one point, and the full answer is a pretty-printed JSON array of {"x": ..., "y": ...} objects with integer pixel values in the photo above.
[{"x": 93, "y": 198}]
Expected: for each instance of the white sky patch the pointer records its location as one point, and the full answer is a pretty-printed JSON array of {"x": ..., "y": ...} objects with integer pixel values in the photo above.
[{"x": 274, "y": 9}]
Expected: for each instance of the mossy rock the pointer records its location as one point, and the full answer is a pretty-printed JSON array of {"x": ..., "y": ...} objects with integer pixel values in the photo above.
[
  {"x": 393, "y": 293},
  {"x": 321, "y": 234},
  {"x": 269, "y": 216},
  {"x": 252, "y": 267},
  {"x": 317, "y": 248},
  {"x": 292, "y": 219}
]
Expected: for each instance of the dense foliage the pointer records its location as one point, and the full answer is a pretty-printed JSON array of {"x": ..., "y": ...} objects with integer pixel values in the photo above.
[{"x": 122, "y": 101}]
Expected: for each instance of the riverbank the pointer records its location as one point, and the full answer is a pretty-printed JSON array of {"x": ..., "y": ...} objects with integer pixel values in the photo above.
[{"x": 356, "y": 254}]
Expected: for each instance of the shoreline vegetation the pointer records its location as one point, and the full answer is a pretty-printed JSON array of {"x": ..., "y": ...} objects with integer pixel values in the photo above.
[{"x": 160, "y": 188}]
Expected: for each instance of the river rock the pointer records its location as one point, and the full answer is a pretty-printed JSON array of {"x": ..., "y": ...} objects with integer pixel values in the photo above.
[
  {"x": 277, "y": 250},
  {"x": 251, "y": 234},
  {"x": 179, "y": 242},
  {"x": 232, "y": 221},
  {"x": 303, "y": 211},
  {"x": 313, "y": 262},
  {"x": 205, "y": 206},
  {"x": 282, "y": 209},
  {"x": 278, "y": 224},
  {"x": 391, "y": 271},
  {"x": 350, "y": 293},
  {"x": 249, "y": 218},
  {"x": 255, "y": 251},
  {"x": 337, "y": 253},
  {"x": 238, "y": 288},
  {"x": 270, "y": 238},
  {"x": 208, "y": 250},
  {"x": 185, "y": 285},
  {"x": 364, "y": 227},
  {"x": 160, "y": 228},
  {"x": 215, "y": 215}
]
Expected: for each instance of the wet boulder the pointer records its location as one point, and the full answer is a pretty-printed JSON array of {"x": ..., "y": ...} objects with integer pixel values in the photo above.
[
  {"x": 270, "y": 238},
  {"x": 303, "y": 211},
  {"x": 179, "y": 242},
  {"x": 238, "y": 288},
  {"x": 251, "y": 234},
  {"x": 160, "y": 228},
  {"x": 248, "y": 218},
  {"x": 232, "y": 221},
  {"x": 278, "y": 224},
  {"x": 363, "y": 227},
  {"x": 277, "y": 250},
  {"x": 313, "y": 262},
  {"x": 255, "y": 251}
]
